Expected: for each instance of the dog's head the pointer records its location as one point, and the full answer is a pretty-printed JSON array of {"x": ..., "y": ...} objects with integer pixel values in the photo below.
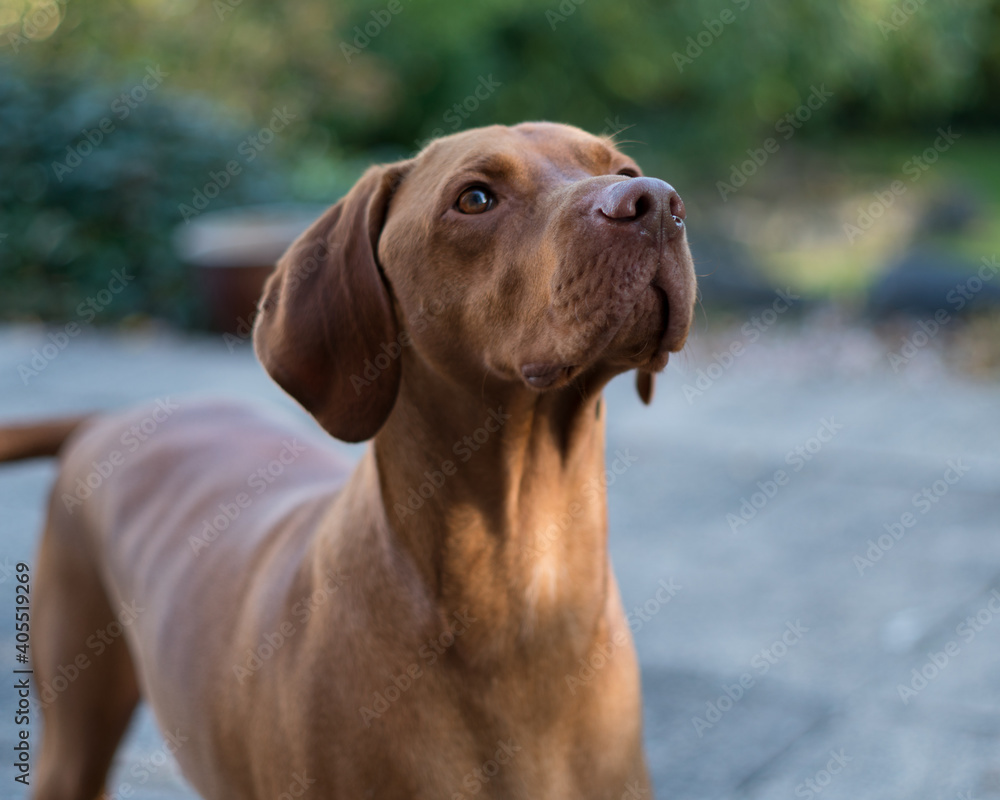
[{"x": 535, "y": 255}]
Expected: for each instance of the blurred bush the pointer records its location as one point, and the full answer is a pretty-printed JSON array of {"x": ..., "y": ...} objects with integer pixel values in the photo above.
[{"x": 91, "y": 190}]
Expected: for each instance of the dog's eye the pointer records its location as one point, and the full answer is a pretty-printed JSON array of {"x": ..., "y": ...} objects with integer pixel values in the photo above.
[
  {"x": 628, "y": 172},
  {"x": 475, "y": 200}
]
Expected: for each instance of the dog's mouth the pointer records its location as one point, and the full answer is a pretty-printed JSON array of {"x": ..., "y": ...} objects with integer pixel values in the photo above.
[
  {"x": 641, "y": 327},
  {"x": 544, "y": 376},
  {"x": 661, "y": 355},
  {"x": 652, "y": 330},
  {"x": 675, "y": 287},
  {"x": 650, "y": 353}
]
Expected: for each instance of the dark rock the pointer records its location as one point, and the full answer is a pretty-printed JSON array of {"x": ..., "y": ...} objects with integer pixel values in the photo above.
[{"x": 925, "y": 279}]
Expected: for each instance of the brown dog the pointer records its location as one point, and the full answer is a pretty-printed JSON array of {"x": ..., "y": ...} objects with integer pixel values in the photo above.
[{"x": 414, "y": 628}]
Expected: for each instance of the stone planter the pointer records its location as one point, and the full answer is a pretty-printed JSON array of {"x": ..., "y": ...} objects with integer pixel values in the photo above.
[{"x": 234, "y": 250}]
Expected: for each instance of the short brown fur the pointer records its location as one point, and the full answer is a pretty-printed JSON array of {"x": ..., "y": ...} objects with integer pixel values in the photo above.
[{"x": 506, "y": 326}]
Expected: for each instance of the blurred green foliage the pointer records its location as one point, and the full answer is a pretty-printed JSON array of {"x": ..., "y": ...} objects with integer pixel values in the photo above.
[
  {"x": 696, "y": 82},
  {"x": 574, "y": 61},
  {"x": 91, "y": 185}
]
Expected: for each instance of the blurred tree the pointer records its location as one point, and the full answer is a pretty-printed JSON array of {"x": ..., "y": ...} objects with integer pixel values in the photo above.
[{"x": 364, "y": 74}]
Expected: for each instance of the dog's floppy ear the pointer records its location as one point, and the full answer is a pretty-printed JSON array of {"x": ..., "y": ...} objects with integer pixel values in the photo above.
[{"x": 326, "y": 313}]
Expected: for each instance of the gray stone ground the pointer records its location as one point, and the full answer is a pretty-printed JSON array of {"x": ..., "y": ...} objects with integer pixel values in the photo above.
[{"x": 834, "y": 690}]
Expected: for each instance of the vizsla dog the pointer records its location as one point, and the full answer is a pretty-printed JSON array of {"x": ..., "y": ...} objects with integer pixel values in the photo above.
[{"x": 440, "y": 622}]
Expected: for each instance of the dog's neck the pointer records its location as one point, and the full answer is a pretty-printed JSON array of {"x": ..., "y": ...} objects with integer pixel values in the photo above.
[{"x": 499, "y": 499}]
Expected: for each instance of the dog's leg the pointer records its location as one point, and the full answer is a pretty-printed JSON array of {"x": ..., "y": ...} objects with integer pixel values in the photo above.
[{"x": 88, "y": 714}]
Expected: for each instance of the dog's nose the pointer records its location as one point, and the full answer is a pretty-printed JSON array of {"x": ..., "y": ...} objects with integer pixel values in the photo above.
[{"x": 643, "y": 200}]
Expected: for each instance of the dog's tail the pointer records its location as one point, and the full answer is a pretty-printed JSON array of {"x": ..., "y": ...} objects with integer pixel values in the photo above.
[{"x": 37, "y": 439}]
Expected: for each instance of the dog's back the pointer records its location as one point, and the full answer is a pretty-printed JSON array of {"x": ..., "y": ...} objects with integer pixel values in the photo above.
[
  {"x": 150, "y": 505},
  {"x": 205, "y": 471}
]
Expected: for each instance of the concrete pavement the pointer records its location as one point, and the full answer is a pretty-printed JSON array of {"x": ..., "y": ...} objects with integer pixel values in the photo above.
[{"x": 827, "y": 525}]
